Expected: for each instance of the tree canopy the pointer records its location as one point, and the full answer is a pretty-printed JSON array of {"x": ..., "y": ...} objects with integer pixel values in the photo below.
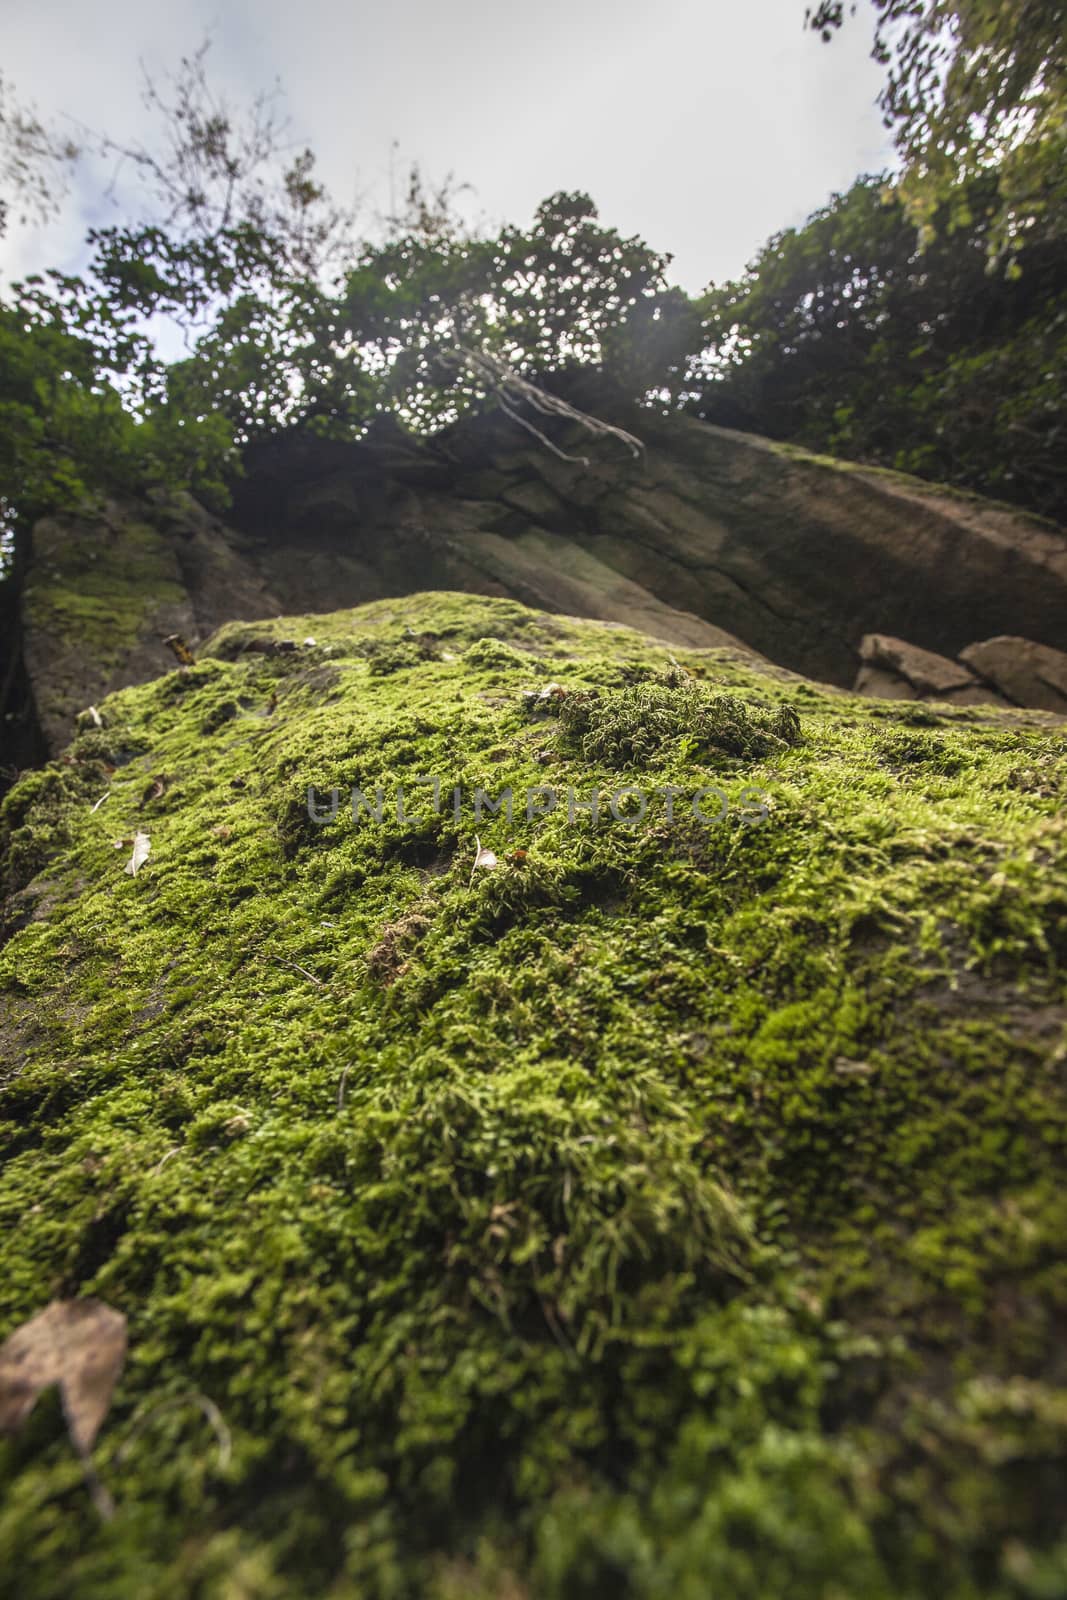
[
  {"x": 846, "y": 337},
  {"x": 973, "y": 87},
  {"x": 34, "y": 161}
]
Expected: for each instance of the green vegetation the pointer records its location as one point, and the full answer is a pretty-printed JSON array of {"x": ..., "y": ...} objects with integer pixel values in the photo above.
[
  {"x": 671, "y": 1209},
  {"x": 592, "y": 1200},
  {"x": 845, "y": 337},
  {"x": 928, "y": 333},
  {"x": 975, "y": 87}
]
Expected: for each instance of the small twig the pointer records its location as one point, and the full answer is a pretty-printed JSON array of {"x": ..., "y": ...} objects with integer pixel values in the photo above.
[
  {"x": 558, "y": 1334},
  {"x": 106, "y": 794},
  {"x": 211, "y": 1412},
  {"x": 172, "y": 1152},
  {"x": 295, "y": 967}
]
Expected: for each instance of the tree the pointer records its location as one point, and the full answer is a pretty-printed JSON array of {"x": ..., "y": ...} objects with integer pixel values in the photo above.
[
  {"x": 847, "y": 337},
  {"x": 224, "y": 204},
  {"x": 230, "y": 231},
  {"x": 563, "y": 294},
  {"x": 34, "y": 161},
  {"x": 289, "y": 321},
  {"x": 975, "y": 86},
  {"x": 839, "y": 336}
]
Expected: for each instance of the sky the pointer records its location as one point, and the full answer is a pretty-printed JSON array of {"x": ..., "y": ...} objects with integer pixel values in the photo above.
[{"x": 702, "y": 125}]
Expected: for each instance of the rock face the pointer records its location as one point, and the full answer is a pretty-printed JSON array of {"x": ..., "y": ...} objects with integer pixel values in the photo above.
[
  {"x": 102, "y": 594},
  {"x": 711, "y": 538}
]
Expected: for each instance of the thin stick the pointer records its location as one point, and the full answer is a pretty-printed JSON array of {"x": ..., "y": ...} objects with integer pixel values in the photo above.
[
  {"x": 211, "y": 1412},
  {"x": 98, "y": 1494},
  {"x": 295, "y": 967},
  {"x": 557, "y": 1333}
]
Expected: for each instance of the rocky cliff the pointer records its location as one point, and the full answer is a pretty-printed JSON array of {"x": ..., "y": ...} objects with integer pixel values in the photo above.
[{"x": 707, "y": 538}]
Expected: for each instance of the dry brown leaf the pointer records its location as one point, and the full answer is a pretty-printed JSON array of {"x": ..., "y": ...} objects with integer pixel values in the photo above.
[
  {"x": 180, "y": 650},
  {"x": 155, "y": 789},
  {"x": 79, "y": 1344}
]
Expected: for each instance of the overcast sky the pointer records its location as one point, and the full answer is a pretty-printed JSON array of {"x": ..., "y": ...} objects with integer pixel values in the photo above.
[{"x": 703, "y": 125}]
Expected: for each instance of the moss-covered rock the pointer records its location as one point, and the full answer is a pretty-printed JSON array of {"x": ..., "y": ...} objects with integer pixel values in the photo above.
[{"x": 673, "y": 1208}]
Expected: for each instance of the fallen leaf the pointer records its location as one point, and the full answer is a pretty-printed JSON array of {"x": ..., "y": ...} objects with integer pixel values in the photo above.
[
  {"x": 78, "y": 1344},
  {"x": 142, "y": 847},
  {"x": 155, "y": 789}
]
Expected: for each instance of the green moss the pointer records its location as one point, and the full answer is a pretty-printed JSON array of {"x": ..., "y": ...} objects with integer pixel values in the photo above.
[
  {"x": 631, "y": 726},
  {"x": 97, "y": 592},
  {"x": 934, "y": 488},
  {"x": 673, "y": 1209}
]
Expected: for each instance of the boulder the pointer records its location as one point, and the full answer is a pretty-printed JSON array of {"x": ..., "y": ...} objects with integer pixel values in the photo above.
[
  {"x": 514, "y": 1201},
  {"x": 1027, "y": 673},
  {"x": 104, "y": 590},
  {"x": 893, "y": 669}
]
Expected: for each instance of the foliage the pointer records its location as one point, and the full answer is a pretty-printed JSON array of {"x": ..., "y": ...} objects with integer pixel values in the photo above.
[
  {"x": 34, "y": 161},
  {"x": 288, "y": 322},
  {"x": 271, "y": 349},
  {"x": 673, "y": 1209},
  {"x": 846, "y": 337},
  {"x": 567, "y": 292},
  {"x": 218, "y": 174},
  {"x": 976, "y": 86},
  {"x": 230, "y": 241},
  {"x": 66, "y": 429}
]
